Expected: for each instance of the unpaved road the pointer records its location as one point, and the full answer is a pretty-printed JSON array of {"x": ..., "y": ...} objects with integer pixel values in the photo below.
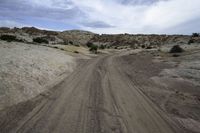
[{"x": 99, "y": 97}]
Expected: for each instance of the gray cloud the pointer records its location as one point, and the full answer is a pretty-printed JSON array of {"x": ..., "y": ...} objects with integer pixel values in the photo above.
[
  {"x": 20, "y": 9},
  {"x": 104, "y": 16},
  {"x": 138, "y": 2},
  {"x": 96, "y": 24}
]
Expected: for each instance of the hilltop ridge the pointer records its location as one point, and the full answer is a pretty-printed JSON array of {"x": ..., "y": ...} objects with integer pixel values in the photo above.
[{"x": 80, "y": 37}]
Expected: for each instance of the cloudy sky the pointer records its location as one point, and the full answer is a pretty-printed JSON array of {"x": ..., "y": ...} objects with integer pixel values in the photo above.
[{"x": 104, "y": 16}]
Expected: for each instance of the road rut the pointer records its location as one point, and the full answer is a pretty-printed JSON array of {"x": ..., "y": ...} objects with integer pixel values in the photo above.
[{"x": 99, "y": 97}]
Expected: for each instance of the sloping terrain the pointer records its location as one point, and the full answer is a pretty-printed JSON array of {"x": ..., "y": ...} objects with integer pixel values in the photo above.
[
  {"x": 98, "y": 97},
  {"x": 78, "y": 37},
  {"x": 135, "y": 85},
  {"x": 170, "y": 82},
  {"x": 75, "y": 37},
  {"x": 25, "y": 70},
  {"x": 136, "y": 41}
]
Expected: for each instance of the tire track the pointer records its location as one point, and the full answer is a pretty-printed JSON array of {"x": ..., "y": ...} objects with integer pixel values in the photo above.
[{"x": 100, "y": 97}]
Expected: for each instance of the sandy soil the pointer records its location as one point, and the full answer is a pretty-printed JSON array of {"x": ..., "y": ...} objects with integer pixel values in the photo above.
[
  {"x": 83, "y": 51},
  {"x": 170, "y": 84},
  {"x": 121, "y": 92},
  {"x": 26, "y": 70},
  {"x": 182, "y": 83},
  {"x": 102, "y": 95}
]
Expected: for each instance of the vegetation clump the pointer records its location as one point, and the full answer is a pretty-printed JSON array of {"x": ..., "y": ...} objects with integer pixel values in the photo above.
[
  {"x": 89, "y": 44},
  {"x": 102, "y": 47},
  {"x": 176, "y": 49},
  {"x": 71, "y": 43},
  {"x": 9, "y": 38},
  {"x": 143, "y": 46},
  {"x": 94, "y": 48},
  {"x": 195, "y": 35},
  {"x": 175, "y": 55},
  {"x": 77, "y": 45},
  {"x": 65, "y": 42},
  {"x": 149, "y": 47},
  {"x": 40, "y": 40},
  {"x": 190, "y": 41},
  {"x": 76, "y": 52},
  {"x": 108, "y": 46}
]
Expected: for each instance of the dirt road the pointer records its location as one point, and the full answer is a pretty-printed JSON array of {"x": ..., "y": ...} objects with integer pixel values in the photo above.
[{"x": 99, "y": 97}]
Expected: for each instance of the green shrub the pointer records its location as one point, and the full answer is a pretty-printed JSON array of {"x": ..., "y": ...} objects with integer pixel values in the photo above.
[
  {"x": 195, "y": 34},
  {"x": 143, "y": 46},
  {"x": 9, "y": 38},
  {"x": 176, "y": 49},
  {"x": 190, "y": 41},
  {"x": 76, "y": 52},
  {"x": 148, "y": 47},
  {"x": 40, "y": 40},
  {"x": 70, "y": 42},
  {"x": 102, "y": 47},
  {"x": 65, "y": 43},
  {"x": 175, "y": 55},
  {"x": 77, "y": 45},
  {"x": 94, "y": 48},
  {"x": 89, "y": 44},
  {"x": 108, "y": 46},
  {"x": 55, "y": 47}
]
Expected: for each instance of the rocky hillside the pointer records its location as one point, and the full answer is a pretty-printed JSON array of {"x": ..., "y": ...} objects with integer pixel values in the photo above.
[
  {"x": 139, "y": 40},
  {"x": 77, "y": 37},
  {"x": 27, "y": 34}
]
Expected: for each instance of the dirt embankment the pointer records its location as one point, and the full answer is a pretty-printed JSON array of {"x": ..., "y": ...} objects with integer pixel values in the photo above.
[
  {"x": 170, "y": 82},
  {"x": 26, "y": 70}
]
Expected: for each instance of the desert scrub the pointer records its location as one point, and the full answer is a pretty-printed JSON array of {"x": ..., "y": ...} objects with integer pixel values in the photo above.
[
  {"x": 176, "y": 49},
  {"x": 149, "y": 47},
  {"x": 143, "y": 46},
  {"x": 40, "y": 40},
  {"x": 10, "y": 38},
  {"x": 89, "y": 44},
  {"x": 94, "y": 49},
  {"x": 77, "y": 45},
  {"x": 102, "y": 47},
  {"x": 71, "y": 43},
  {"x": 65, "y": 43},
  {"x": 190, "y": 41},
  {"x": 108, "y": 47},
  {"x": 195, "y": 35},
  {"x": 55, "y": 47},
  {"x": 76, "y": 52}
]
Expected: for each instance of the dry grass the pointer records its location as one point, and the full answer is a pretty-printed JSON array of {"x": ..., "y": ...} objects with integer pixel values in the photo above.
[{"x": 73, "y": 49}]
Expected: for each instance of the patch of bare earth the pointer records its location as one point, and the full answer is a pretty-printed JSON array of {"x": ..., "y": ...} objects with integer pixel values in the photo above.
[
  {"x": 26, "y": 70},
  {"x": 170, "y": 82}
]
